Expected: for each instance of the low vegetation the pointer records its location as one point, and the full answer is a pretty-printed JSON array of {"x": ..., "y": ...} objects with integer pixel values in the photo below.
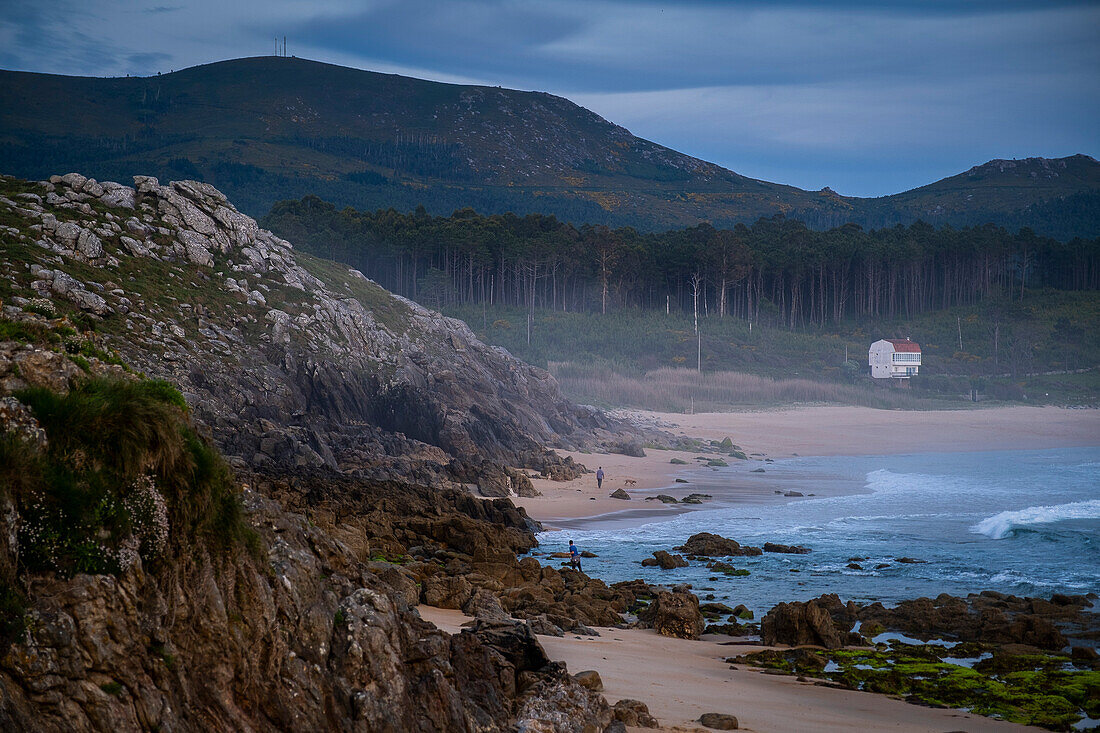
[
  {"x": 123, "y": 474},
  {"x": 1045, "y": 690}
]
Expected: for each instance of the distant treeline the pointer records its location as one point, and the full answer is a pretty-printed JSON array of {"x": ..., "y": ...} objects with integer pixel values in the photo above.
[{"x": 793, "y": 275}]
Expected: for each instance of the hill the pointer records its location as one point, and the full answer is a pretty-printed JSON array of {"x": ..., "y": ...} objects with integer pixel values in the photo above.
[
  {"x": 270, "y": 128},
  {"x": 291, "y": 360}
]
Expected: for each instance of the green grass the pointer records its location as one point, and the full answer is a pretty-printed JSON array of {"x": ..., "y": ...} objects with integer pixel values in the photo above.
[
  {"x": 117, "y": 449},
  {"x": 389, "y": 311},
  {"x": 1042, "y": 691}
]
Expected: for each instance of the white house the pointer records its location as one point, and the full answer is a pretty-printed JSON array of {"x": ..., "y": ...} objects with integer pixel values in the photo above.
[{"x": 897, "y": 358}]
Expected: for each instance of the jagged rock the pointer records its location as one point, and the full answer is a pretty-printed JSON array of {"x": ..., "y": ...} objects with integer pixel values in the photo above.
[
  {"x": 706, "y": 544},
  {"x": 798, "y": 624},
  {"x": 117, "y": 196},
  {"x": 541, "y": 624},
  {"x": 634, "y": 713},
  {"x": 485, "y": 606},
  {"x": 89, "y": 245},
  {"x": 196, "y": 247},
  {"x": 561, "y": 705},
  {"x": 674, "y": 614},
  {"x": 620, "y": 494},
  {"x": 75, "y": 181},
  {"x": 590, "y": 680},
  {"x": 664, "y": 560},
  {"x": 447, "y": 592}
]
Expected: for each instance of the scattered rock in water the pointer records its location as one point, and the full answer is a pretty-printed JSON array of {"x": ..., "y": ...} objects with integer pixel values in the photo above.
[
  {"x": 854, "y": 566},
  {"x": 716, "y": 609},
  {"x": 664, "y": 560},
  {"x": 786, "y": 549},
  {"x": 856, "y": 559},
  {"x": 742, "y": 612},
  {"x": 681, "y": 481},
  {"x": 620, "y": 494},
  {"x": 882, "y": 566},
  {"x": 678, "y": 462},
  {"x": 910, "y": 560},
  {"x": 727, "y": 569},
  {"x": 708, "y": 544},
  {"x": 792, "y": 493},
  {"x": 718, "y": 721},
  {"x": 633, "y": 713},
  {"x": 586, "y": 553},
  {"x": 757, "y": 470},
  {"x": 666, "y": 499}
]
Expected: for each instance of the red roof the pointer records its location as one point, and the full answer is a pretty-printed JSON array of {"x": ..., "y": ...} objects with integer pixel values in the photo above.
[{"x": 905, "y": 345}]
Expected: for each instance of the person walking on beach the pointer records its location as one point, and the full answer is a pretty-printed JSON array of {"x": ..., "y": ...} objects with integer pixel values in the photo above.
[
  {"x": 599, "y": 478},
  {"x": 574, "y": 556}
]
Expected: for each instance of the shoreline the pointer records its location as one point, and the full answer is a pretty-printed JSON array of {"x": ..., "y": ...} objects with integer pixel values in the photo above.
[
  {"x": 693, "y": 678},
  {"x": 793, "y": 432}
]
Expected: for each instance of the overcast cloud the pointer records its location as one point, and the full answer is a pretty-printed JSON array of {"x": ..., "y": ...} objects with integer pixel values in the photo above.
[{"x": 867, "y": 97}]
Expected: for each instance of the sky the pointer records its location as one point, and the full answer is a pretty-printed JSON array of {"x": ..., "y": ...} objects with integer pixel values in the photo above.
[{"x": 868, "y": 98}]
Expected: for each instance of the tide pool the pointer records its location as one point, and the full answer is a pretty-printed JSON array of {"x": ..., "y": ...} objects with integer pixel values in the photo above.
[{"x": 1020, "y": 522}]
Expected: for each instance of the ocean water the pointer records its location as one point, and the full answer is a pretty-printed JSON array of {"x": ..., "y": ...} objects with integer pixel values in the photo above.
[{"x": 1021, "y": 522}]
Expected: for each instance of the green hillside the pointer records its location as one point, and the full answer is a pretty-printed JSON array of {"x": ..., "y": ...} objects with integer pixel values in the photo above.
[{"x": 269, "y": 128}]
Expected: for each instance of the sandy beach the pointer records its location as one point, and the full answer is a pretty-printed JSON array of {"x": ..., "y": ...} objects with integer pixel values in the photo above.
[
  {"x": 680, "y": 680},
  {"x": 805, "y": 431}
]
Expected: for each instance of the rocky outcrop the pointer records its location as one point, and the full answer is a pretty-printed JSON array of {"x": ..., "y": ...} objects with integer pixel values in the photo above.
[
  {"x": 675, "y": 614},
  {"x": 289, "y": 360},
  {"x": 798, "y": 624},
  {"x": 706, "y": 544},
  {"x": 313, "y": 628},
  {"x": 308, "y": 639},
  {"x": 665, "y": 561},
  {"x": 986, "y": 617}
]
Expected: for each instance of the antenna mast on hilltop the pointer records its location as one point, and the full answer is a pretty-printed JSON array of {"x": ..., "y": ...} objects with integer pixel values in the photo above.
[{"x": 280, "y": 51}]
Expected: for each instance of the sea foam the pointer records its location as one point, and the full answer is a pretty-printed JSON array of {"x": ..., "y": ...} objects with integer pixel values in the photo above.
[{"x": 1000, "y": 525}]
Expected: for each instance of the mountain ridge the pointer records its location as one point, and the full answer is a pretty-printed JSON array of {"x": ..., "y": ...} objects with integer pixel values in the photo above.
[{"x": 284, "y": 127}]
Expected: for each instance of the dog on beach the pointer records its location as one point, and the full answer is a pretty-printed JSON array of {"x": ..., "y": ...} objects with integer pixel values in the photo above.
[{"x": 630, "y": 482}]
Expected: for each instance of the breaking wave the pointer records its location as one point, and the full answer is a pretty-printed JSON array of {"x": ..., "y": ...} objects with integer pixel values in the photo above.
[{"x": 1000, "y": 525}]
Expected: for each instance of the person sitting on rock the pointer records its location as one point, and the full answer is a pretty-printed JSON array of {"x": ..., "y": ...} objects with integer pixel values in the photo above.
[{"x": 574, "y": 556}]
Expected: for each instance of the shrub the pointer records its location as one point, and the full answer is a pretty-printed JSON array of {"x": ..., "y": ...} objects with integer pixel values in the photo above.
[
  {"x": 124, "y": 476},
  {"x": 41, "y": 306}
]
